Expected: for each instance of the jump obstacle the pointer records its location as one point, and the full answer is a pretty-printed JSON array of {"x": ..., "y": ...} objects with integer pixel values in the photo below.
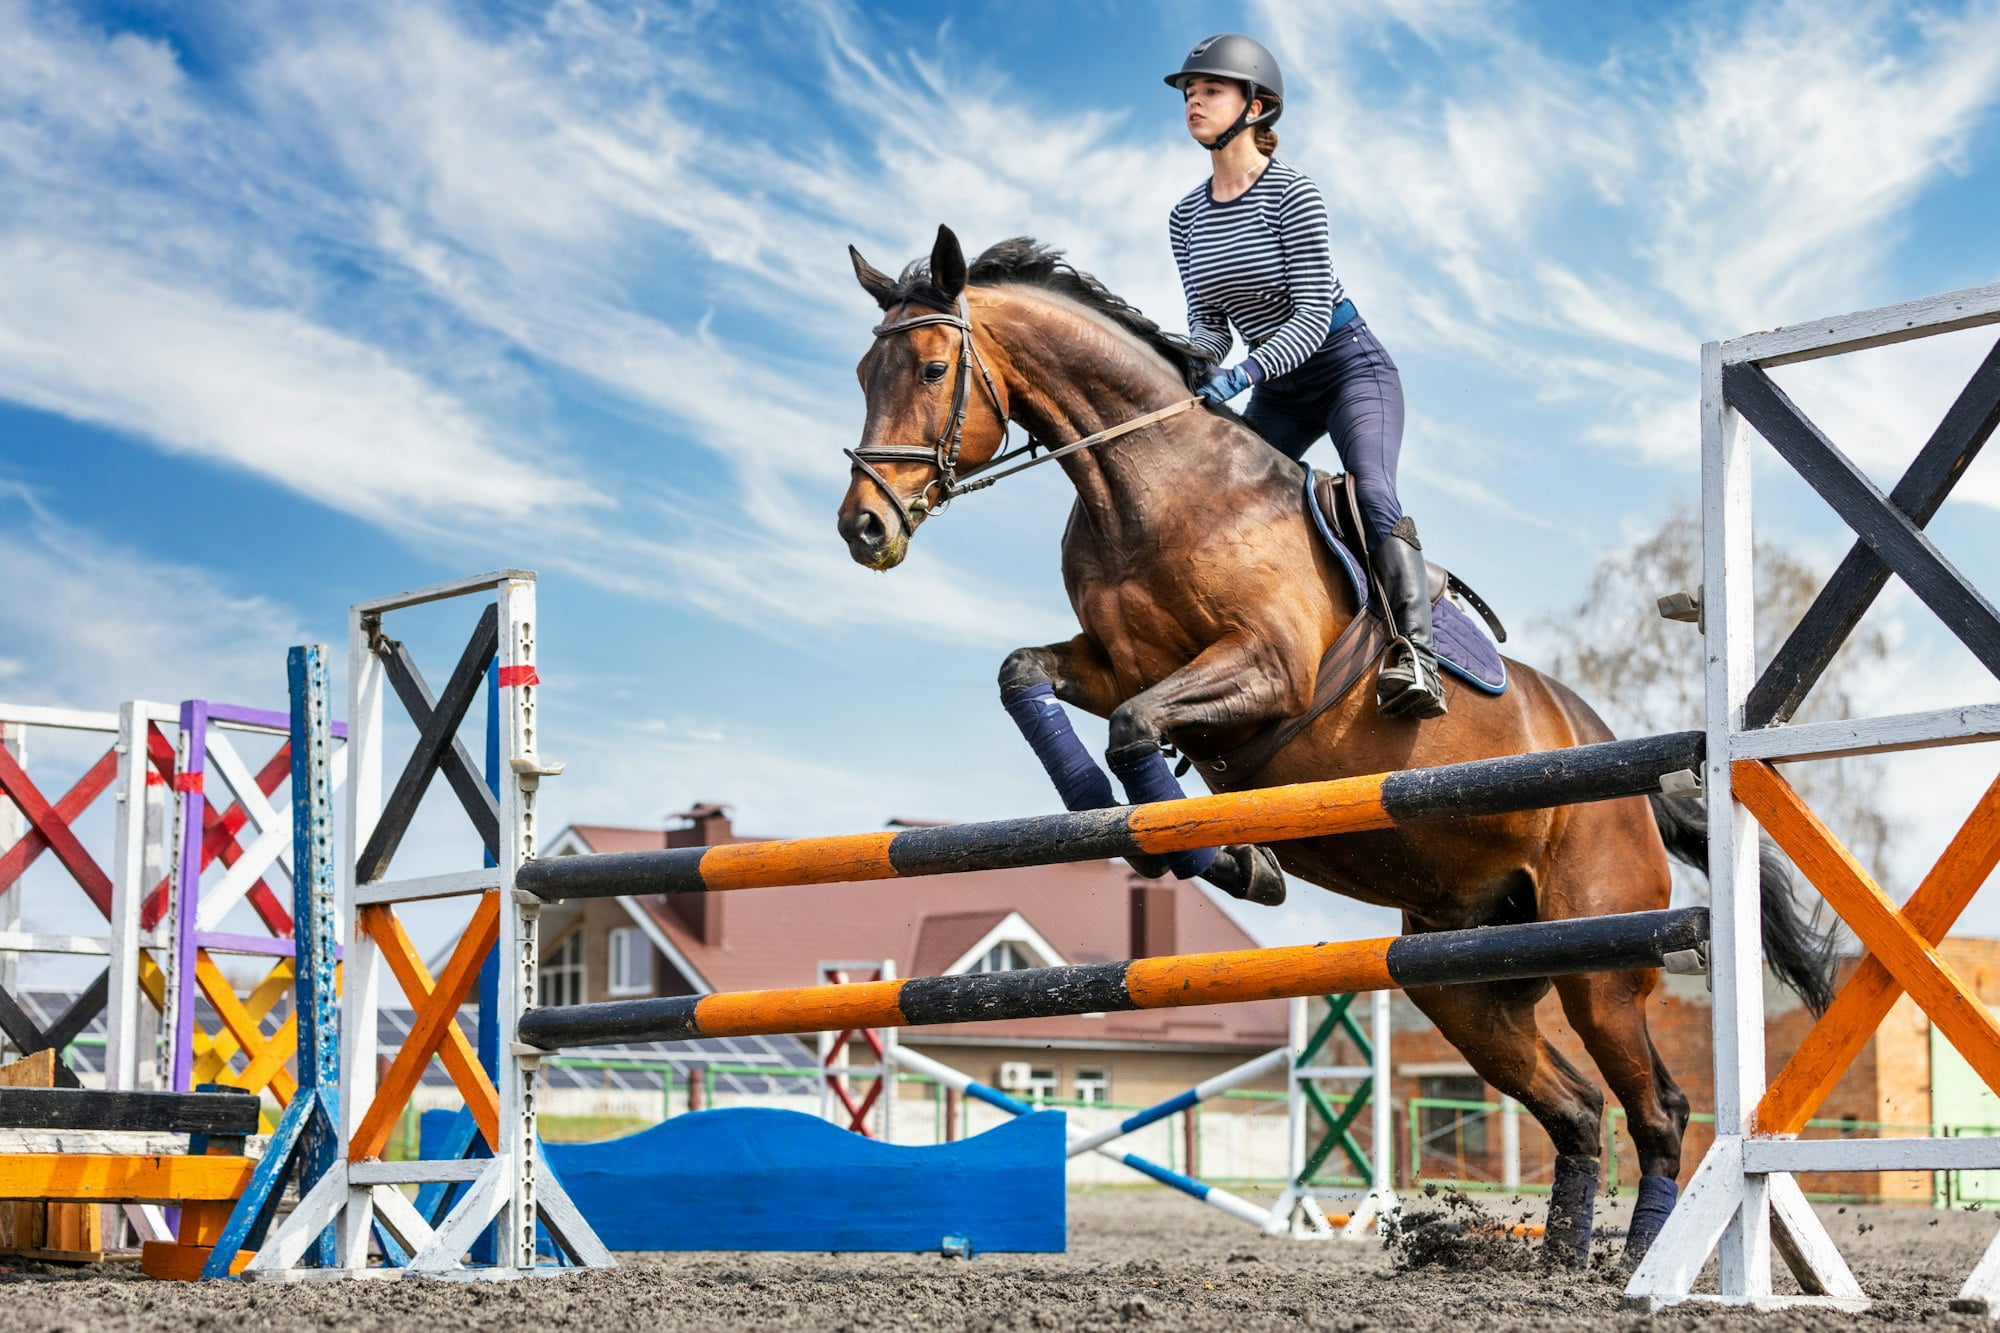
[
  {"x": 516, "y": 1190},
  {"x": 162, "y": 937},
  {"x": 207, "y": 1184},
  {"x": 1742, "y": 1198}
]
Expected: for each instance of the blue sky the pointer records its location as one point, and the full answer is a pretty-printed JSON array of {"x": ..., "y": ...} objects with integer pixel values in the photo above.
[{"x": 302, "y": 304}]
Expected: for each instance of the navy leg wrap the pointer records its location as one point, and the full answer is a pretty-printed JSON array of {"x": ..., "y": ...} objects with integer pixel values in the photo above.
[
  {"x": 1147, "y": 778},
  {"x": 1040, "y": 716},
  {"x": 1572, "y": 1199},
  {"x": 1657, "y": 1196}
]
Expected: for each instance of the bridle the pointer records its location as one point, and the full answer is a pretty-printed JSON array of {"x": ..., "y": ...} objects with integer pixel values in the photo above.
[{"x": 942, "y": 453}]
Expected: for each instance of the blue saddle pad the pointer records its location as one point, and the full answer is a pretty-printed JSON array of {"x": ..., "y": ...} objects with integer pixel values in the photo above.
[{"x": 1463, "y": 648}]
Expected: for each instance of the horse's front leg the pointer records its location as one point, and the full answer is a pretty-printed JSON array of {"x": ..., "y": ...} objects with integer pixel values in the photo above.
[
  {"x": 1238, "y": 682},
  {"x": 1034, "y": 685}
]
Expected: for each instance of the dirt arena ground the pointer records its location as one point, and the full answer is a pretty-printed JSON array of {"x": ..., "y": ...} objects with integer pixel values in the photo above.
[{"x": 1137, "y": 1259}]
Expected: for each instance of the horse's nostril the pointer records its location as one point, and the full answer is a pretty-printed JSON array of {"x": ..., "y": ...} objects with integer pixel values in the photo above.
[{"x": 864, "y": 526}]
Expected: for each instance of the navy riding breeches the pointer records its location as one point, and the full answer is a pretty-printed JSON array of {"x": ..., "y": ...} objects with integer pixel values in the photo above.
[{"x": 1348, "y": 389}]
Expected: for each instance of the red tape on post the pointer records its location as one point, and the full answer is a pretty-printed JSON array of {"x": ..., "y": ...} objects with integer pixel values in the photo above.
[
  {"x": 518, "y": 675},
  {"x": 185, "y": 782}
]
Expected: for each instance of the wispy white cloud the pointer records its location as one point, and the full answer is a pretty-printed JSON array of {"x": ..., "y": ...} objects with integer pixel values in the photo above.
[
  {"x": 107, "y": 622},
  {"x": 85, "y": 333}
]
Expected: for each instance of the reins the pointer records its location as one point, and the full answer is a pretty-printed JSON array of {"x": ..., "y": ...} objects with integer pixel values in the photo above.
[{"x": 942, "y": 453}]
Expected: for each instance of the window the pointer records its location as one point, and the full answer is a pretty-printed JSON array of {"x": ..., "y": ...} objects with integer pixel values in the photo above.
[
  {"x": 1093, "y": 1086},
  {"x": 562, "y": 972},
  {"x": 1003, "y": 957},
  {"x": 1044, "y": 1083},
  {"x": 631, "y": 962},
  {"x": 1453, "y": 1130}
]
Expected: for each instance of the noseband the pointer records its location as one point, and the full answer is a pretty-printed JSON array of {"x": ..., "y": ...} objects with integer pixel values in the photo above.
[{"x": 942, "y": 453}]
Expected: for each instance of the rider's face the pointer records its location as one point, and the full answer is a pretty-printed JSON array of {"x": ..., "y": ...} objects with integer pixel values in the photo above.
[{"x": 1212, "y": 106}]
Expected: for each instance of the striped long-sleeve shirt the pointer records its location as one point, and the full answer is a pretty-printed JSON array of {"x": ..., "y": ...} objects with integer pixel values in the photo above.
[{"x": 1260, "y": 261}]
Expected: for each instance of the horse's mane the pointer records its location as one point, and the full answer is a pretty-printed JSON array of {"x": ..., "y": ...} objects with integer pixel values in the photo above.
[{"x": 1026, "y": 262}]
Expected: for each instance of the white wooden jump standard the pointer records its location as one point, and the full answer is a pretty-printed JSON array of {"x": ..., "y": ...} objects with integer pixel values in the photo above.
[
  {"x": 514, "y": 1188},
  {"x": 1743, "y": 1199},
  {"x": 139, "y": 857}
]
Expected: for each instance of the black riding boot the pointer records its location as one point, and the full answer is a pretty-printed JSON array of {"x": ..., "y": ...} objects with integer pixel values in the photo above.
[{"x": 1408, "y": 684}]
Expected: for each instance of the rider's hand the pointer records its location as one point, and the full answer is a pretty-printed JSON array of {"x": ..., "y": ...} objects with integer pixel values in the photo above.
[{"x": 1226, "y": 384}]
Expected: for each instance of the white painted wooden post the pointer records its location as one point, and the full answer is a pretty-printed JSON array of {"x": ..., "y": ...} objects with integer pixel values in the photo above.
[
  {"x": 13, "y": 827},
  {"x": 522, "y": 770},
  {"x": 122, "y": 1033}
]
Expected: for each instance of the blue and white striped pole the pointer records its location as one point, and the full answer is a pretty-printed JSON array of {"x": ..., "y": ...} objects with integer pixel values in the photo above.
[
  {"x": 1214, "y": 1196},
  {"x": 1272, "y": 1062}
]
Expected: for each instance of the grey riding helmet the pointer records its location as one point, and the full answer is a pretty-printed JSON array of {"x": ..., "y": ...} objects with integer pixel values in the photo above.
[{"x": 1244, "y": 60}]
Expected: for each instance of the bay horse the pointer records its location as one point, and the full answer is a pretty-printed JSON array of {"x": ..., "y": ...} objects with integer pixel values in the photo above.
[{"x": 1206, "y": 601}]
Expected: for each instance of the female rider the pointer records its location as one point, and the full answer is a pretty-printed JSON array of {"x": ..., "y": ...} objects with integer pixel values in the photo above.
[{"x": 1251, "y": 244}]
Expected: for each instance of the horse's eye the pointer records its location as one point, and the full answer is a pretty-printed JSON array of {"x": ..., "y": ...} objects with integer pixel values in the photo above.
[{"x": 933, "y": 371}]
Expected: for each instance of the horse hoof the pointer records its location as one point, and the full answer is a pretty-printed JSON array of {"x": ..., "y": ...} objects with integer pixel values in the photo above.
[
  {"x": 1147, "y": 866},
  {"x": 1249, "y": 872}
]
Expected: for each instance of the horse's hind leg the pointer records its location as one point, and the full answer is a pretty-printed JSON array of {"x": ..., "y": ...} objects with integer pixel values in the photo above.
[
  {"x": 1493, "y": 1027},
  {"x": 1607, "y": 1010},
  {"x": 1615, "y": 863}
]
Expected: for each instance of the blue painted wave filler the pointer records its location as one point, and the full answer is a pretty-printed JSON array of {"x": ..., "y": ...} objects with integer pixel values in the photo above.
[{"x": 757, "y": 1178}]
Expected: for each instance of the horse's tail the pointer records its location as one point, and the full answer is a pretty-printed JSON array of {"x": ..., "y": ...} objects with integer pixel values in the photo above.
[{"x": 1794, "y": 945}]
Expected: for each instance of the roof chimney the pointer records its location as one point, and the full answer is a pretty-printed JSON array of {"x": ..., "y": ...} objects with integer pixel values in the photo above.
[
  {"x": 701, "y": 913},
  {"x": 1153, "y": 907}
]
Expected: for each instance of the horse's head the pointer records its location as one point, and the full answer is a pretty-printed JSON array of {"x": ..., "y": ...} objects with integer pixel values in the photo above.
[{"x": 928, "y": 422}]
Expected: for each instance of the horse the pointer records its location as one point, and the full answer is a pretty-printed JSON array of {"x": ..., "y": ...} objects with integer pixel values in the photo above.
[{"x": 1206, "y": 601}]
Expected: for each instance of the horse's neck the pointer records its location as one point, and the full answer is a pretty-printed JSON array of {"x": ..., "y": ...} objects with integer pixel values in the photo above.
[{"x": 1074, "y": 376}]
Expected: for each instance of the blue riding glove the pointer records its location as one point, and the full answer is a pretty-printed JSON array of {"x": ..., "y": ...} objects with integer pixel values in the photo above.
[{"x": 1226, "y": 384}]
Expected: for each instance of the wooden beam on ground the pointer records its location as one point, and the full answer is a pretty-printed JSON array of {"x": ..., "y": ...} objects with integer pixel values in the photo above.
[{"x": 223, "y": 1113}]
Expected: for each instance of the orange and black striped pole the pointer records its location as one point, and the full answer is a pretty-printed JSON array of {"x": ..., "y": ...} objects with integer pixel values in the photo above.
[
  {"x": 1273, "y": 814},
  {"x": 1455, "y": 957}
]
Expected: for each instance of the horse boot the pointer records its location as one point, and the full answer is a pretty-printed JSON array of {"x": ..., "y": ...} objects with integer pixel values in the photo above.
[{"x": 1408, "y": 684}]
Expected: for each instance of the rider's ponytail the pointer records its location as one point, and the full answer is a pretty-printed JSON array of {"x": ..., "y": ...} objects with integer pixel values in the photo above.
[{"x": 1267, "y": 140}]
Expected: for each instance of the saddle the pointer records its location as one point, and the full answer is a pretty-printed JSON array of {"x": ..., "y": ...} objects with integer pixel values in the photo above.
[{"x": 1333, "y": 505}]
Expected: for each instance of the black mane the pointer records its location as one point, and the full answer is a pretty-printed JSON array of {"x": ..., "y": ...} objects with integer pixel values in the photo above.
[{"x": 1024, "y": 261}]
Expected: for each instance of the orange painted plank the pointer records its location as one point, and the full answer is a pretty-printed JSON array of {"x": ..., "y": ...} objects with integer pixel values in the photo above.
[
  {"x": 171, "y": 1261},
  {"x": 1344, "y": 805},
  {"x": 1909, "y": 957},
  {"x": 836, "y": 860},
  {"x": 434, "y": 1018},
  {"x": 1851, "y": 1020},
  {"x": 1262, "y": 974},
  {"x": 122, "y": 1178},
  {"x": 860, "y": 1004},
  {"x": 471, "y": 1078}
]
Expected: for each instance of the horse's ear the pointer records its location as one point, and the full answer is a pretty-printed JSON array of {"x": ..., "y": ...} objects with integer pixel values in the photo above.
[
  {"x": 873, "y": 280},
  {"x": 948, "y": 264}
]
